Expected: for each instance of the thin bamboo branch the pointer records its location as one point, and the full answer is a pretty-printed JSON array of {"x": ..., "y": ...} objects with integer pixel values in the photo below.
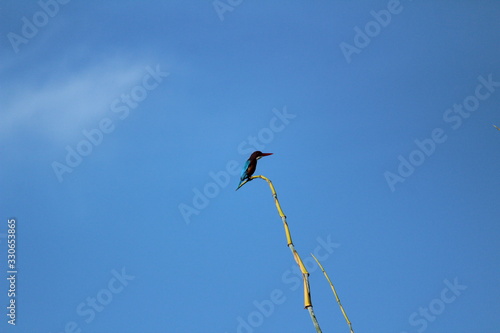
[
  {"x": 335, "y": 293},
  {"x": 296, "y": 257}
]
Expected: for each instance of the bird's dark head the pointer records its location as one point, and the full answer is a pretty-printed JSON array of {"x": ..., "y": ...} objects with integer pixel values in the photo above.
[{"x": 258, "y": 154}]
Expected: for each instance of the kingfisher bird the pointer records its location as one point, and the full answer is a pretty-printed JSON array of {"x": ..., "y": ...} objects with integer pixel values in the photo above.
[{"x": 250, "y": 166}]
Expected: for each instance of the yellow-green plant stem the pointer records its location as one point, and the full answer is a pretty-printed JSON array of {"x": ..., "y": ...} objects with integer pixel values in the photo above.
[
  {"x": 296, "y": 257},
  {"x": 335, "y": 293}
]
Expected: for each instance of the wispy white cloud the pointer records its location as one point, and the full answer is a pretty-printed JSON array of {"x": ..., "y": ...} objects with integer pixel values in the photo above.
[{"x": 60, "y": 106}]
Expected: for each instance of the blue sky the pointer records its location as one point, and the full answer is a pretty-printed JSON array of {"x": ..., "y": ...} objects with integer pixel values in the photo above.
[{"x": 123, "y": 126}]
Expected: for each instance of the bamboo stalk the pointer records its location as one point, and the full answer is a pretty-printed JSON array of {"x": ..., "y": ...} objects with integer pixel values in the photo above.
[
  {"x": 305, "y": 274},
  {"x": 335, "y": 293}
]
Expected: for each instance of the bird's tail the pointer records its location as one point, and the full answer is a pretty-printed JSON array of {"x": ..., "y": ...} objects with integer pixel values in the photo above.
[
  {"x": 239, "y": 185},
  {"x": 242, "y": 182}
]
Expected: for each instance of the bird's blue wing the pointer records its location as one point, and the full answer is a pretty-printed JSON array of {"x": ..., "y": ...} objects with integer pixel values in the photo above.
[{"x": 244, "y": 170}]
